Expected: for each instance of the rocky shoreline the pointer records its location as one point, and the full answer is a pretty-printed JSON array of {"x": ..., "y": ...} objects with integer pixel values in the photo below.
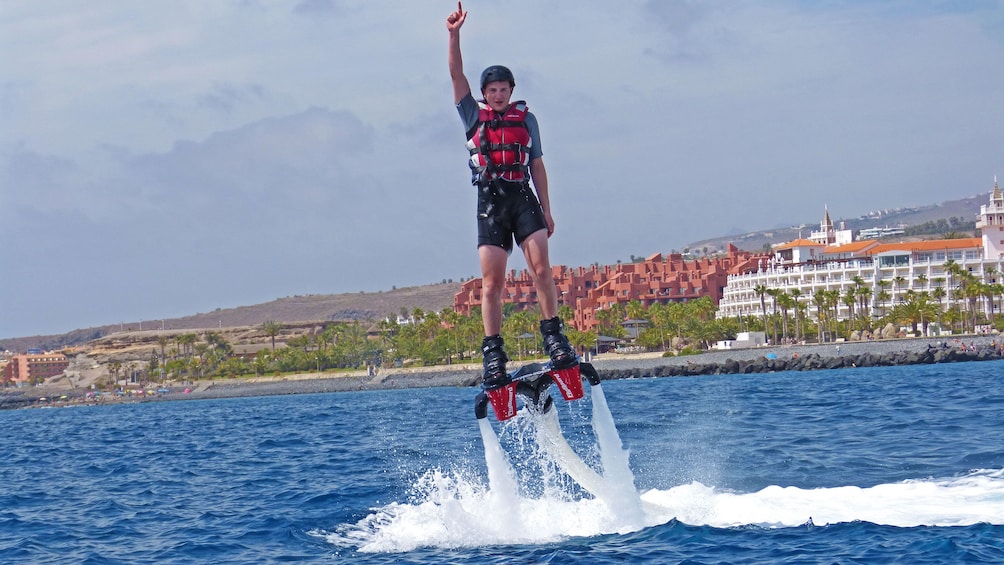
[{"x": 743, "y": 361}]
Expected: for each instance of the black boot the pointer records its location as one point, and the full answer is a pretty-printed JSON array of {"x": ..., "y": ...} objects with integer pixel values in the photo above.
[
  {"x": 495, "y": 375},
  {"x": 556, "y": 344}
]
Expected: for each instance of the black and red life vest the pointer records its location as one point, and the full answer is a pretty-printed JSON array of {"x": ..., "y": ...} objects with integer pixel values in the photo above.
[{"x": 500, "y": 144}]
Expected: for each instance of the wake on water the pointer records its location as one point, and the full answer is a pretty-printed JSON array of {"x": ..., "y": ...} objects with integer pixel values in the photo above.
[{"x": 552, "y": 494}]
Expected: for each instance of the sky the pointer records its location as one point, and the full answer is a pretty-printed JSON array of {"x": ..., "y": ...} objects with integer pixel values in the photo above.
[{"x": 171, "y": 157}]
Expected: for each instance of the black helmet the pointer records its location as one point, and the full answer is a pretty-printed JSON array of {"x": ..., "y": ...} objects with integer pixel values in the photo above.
[{"x": 497, "y": 73}]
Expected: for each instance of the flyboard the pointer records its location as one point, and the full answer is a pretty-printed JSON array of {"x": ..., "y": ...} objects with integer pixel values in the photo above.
[{"x": 529, "y": 387}]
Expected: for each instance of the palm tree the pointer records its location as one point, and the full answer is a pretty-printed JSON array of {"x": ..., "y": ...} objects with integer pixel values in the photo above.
[
  {"x": 635, "y": 310},
  {"x": 162, "y": 341},
  {"x": 917, "y": 309},
  {"x": 272, "y": 329},
  {"x": 663, "y": 322},
  {"x": 819, "y": 300},
  {"x": 881, "y": 298},
  {"x": 186, "y": 341},
  {"x": 864, "y": 293},
  {"x": 519, "y": 324},
  {"x": 773, "y": 292},
  {"x": 832, "y": 299},
  {"x": 114, "y": 367},
  {"x": 796, "y": 293},
  {"x": 861, "y": 293},
  {"x": 610, "y": 321},
  {"x": 849, "y": 299},
  {"x": 566, "y": 313},
  {"x": 581, "y": 341},
  {"x": 899, "y": 280},
  {"x": 953, "y": 269},
  {"x": 760, "y": 290},
  {"x": 968, "y": 291},
  {"x": 989, "y": 290},
  {"x": 786, "y": 302}
]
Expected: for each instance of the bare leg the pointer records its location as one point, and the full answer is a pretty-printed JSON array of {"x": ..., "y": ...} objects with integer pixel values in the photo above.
[
  {"x": 493, "y": 262},
  {"x": 555, "y": 343},
  {"x": 539, "y": 265}
]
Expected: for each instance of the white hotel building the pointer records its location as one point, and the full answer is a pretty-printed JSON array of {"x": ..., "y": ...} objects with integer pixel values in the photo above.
[{"x": 829, "y": 260}]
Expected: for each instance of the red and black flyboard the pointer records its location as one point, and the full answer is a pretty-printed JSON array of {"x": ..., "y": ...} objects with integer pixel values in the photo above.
[{"x": 530, "y": 383}]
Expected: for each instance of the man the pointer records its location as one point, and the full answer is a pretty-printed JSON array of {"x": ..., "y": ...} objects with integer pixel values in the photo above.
[{"x": 504, "y": 142}]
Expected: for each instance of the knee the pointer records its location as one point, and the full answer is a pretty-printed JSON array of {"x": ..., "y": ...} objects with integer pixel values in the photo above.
[
  {"x": 542, "y": 274},
  {"x": 491, "y": 288}
]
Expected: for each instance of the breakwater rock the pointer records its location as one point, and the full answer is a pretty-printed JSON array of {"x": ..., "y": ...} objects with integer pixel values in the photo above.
[
  {"x": 11, "y": 400},
  {"x": 933, "y": 353}
]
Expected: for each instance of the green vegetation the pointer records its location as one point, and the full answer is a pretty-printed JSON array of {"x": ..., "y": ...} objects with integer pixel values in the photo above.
[
  {"x": 423, "y": 338},
  {"x": 946, "y": 227},
  {"x": 958, "y": 303}
]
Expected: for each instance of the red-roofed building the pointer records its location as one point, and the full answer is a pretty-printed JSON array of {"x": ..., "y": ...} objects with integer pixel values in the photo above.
[
  {"x": 888, "y": 270},
  {"x": 659, "y": 278}
]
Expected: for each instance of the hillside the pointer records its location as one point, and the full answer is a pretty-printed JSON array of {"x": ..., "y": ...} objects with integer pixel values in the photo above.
[
  {"x": 362, "y": 306},
  {"x": 967, "y": 208}
]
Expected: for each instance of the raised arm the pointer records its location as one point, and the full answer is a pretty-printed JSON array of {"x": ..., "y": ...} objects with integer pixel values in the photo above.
[{"x": 461, "y": 86}]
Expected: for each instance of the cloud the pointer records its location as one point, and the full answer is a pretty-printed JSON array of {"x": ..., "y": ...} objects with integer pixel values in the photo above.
[
  {"x": 318, "y": 7},
  {"x": 316, "y": 201},
  {"x": 223, "y": 153}
]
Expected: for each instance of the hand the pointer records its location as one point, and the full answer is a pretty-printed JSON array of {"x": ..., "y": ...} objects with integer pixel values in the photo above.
[
  {"x": 456, "y": 19},
  {"x": 549, "y": 222}
]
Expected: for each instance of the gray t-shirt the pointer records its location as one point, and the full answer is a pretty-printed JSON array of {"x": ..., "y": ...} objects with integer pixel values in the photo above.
[{"x": 468, "y": 108}]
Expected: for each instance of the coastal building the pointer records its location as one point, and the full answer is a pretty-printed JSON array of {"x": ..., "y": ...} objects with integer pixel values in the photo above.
[
  {"x": 827, "y": 234},
  {"x": 30, "y": 368},
  {"x": 887, "y": 270},
  {"x": 658, "y": 279},
  {"x": 878, "y": 233}
]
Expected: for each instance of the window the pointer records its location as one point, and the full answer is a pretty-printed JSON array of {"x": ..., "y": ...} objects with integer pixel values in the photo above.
[{"x": 894, "y": 260}]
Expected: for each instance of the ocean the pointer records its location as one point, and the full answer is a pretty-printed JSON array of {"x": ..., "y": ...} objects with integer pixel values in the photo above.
[{"x": 877, "y": 465}]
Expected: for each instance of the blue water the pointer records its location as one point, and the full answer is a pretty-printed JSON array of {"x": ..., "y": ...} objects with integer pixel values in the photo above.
[{"x": 880, "y": 465}]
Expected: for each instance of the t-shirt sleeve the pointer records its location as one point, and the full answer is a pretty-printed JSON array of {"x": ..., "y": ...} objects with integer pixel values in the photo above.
[
  {"x": 468, "y": 108},
  {"x": 536, "y": 150}
]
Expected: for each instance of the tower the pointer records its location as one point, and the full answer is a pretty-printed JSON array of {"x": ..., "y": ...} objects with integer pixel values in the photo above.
[
  {"x": 991, "y": 223},
  {"x": 826, "y": 234}
]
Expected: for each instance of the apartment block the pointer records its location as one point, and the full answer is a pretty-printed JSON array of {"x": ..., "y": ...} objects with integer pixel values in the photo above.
[
  {"x": 30, "y": 368},
  {"x": 658, "y": 279},
  {"x": 892, "y": 269}
]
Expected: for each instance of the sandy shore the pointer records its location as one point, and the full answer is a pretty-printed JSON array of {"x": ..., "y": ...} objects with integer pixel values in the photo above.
[{"x": 467, "y": 375}]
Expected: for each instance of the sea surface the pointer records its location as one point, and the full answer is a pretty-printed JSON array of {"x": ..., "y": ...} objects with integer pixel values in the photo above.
[{"x": 877, "y": 465}]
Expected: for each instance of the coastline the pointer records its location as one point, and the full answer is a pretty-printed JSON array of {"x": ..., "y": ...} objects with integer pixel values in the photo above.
[{"x": 611, "y": 366}]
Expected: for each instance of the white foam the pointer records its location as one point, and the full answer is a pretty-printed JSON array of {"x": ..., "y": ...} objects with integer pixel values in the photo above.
[
  {"x": 975, "y": 498},
  {"x": 453, "y": 511}
]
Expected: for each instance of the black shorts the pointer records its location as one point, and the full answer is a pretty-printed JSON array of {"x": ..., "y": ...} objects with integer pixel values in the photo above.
[{"x": 507, "y": 210}]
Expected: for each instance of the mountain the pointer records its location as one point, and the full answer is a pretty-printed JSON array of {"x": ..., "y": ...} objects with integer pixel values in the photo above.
[{"x": 362, "y": 306}]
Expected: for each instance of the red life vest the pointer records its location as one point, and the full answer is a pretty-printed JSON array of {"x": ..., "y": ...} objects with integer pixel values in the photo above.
[{"x": 500, "y": 144}]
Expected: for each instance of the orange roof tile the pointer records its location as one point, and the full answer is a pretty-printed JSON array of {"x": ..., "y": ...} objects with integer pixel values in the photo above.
[
  {"x": 853, "y": 247},
  {"x": 930, "y": 245},
  {"x": 798, "y": 243}
]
